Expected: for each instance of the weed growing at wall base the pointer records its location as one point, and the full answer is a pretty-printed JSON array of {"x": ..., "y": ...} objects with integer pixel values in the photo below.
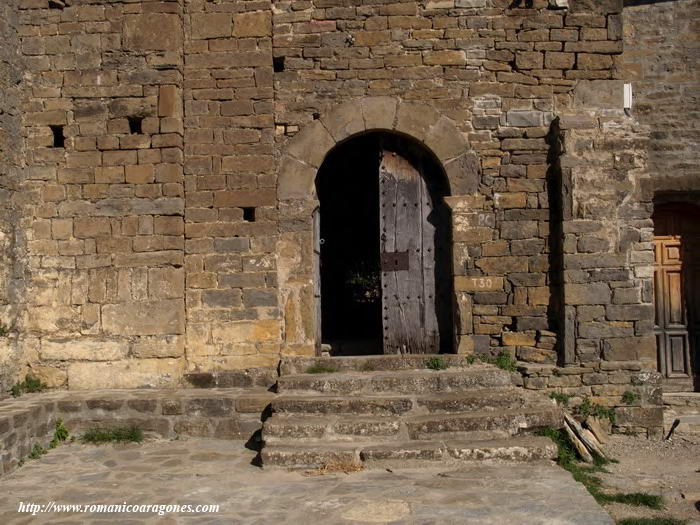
[
  {"x": 629, "y": 397},
  {"x": 567, "y": 458},
  {"x": 651, "y": 521},
  {"x": 561, "y": 398},
  {"x": 587, "y": 408},
  {"x": 60, "y": 434},
  {"x": 320, "y": 369},
  {"x": 29, "y": 385},
  {"x": 98, "y": 436},
  {"x": 436, "y": 363}
]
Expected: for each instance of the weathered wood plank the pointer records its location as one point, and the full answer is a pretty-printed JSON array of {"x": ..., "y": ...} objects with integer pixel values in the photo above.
[{"x": 408, "y": 296}]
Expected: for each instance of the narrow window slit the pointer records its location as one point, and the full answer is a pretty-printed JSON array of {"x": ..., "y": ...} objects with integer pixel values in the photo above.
[
  {"x": 136, "y": 125},
  {"x": 59, "y": 139},
  {"x": 58, "y": 4},
  {"x": 278, "y": 64},
  {"x": 249, "y": 214}
]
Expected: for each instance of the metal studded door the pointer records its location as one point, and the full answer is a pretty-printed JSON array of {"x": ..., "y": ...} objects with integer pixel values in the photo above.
[{"x": 407, "y": 245}]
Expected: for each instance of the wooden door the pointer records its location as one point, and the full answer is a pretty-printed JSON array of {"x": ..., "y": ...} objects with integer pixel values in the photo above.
[
  {"x": 407, "y": 258},
  {"x": 676, "y": 293}
]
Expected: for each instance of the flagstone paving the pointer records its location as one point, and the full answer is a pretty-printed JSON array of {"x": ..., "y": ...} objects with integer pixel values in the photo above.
[{"x": 205, "y": 471}]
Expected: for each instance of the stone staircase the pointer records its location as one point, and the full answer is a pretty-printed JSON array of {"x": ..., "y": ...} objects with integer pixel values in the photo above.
[{"x": 389, "y": 411}]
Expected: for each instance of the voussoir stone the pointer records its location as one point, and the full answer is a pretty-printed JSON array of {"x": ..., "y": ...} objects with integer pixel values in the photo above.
[
  {"x": 344, "y": 120},
  {"x": 311, "y": 144},
  {"x": 379, "y": 112}
]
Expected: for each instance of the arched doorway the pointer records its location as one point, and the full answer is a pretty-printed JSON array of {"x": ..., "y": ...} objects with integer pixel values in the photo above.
[
  {"x": 384, "y": 241},
  {"x": 677, "y": 293}
]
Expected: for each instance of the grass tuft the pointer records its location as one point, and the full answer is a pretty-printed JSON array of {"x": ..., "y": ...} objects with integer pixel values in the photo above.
[
  {"x": 586, "y": 408},
  {"x": 636, "y": 499},
  {"x": 436, "y": 363},
  {"x": 568, "y": 459},
  {"x": 503, "y": 360},
  {"x": 321, "y": 369},
  {"x": 98, "y": 435},
  {"x": 368, "y": 366},
  {"x": 651, "y": 521},
  {"x": 561, "y": 398},
  {"x": 29, "y": 385},
  {"x": 629, "y": 397},
  {"x": 37, "y": 451},
  {"x": 60, "y": 434}
]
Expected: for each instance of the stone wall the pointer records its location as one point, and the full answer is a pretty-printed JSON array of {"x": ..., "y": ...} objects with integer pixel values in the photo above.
[
  {"x": 499, "y": 76},
  {"x": 103, "y": 129},
  {"x": 170, "y": 150},
  {"x": 661, "y": 61},
  {"x": 13, "y": 234},
  {"x": 233, "y": 317},
  {"x": 164, "y": 414}
]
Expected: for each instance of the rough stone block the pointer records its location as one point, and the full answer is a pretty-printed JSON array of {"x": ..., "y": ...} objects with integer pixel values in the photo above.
[
  {"x": 212, "y": 25},
  {"x": 158, "y": 346},
  {"x": 169, "y": 101},
  {"x": 594, "y": 293},
  {"x": 518, "y": 339},
  {"x": 153, "y": 32},
  {"x": 132, "y": 373},
  {"x": 144, "y": 318},
  {"x": 252, "y": 24},
  {"x": 247, "y": 331},
  {"x": 445, "y": 57},
  {"x": 529, "y": 60},
  {"x": 80, "y": 349}
]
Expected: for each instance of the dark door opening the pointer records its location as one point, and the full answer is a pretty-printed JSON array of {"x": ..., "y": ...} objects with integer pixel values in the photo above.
[
  {"x": 385, "y": 257},
  {"x": 677, "y": 294}
]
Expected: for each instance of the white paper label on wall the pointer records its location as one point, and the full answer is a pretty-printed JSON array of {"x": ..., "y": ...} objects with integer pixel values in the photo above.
[{"x": 628, "y": 96}]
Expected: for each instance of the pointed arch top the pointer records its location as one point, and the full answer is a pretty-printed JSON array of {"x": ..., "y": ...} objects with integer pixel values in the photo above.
[{"x": 305, "y": 151}]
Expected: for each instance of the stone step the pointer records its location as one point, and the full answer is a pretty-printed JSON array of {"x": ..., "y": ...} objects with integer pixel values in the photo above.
[
  {"x": 518, "y": 448},
  {"x": 316, "y": 404},
  {"x": 330, "y": 428},
  {"x": 406, "y": 454},
  {"x": 508, "y": 422},
  {"x": 460, "y": 425},
  {"x": 374, "y": 363},
  {"x": 478, "y": 399},
  {"x": 416, "y": 382}
]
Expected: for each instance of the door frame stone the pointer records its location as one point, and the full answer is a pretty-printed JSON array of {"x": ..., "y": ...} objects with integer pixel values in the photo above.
[{"x": 299, "y": 162}]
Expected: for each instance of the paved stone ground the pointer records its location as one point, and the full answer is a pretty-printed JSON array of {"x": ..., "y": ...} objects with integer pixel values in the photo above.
[{"x": 201, "y": 471}]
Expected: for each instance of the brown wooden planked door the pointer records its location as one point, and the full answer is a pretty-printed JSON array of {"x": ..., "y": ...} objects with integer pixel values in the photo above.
[
  {"x": 676, "y": 293},
  {"x": 407, "y": 245}
]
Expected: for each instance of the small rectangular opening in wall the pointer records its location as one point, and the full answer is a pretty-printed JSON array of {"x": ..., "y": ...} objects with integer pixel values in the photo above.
[
  {"x": 59, "y": 139},
  {"x": 58, "y": 4},
  {"x": 136, "y": 125},
  {"x": 278, "y": 64},
  {"x": 249, "y": 214}
]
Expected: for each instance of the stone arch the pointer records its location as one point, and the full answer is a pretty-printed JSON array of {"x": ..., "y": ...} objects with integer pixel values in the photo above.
[
  {"x": 301, "y": 158},
  {"x": 306, "y": 151}
]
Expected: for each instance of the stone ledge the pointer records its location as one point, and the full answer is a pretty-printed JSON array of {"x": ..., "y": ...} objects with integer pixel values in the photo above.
[{"x": 223, "y": 413}]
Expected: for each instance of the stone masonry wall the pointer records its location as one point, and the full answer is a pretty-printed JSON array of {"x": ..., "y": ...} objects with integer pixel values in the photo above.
[
  {"x": 171, "y": 148},
  {"x": 233, "y": 318},
  {"x": 661, "y": 61},
  {"x": 103, "y": 131},
  {"x": 12, "y": 228},
  {"x": 497, "y": 74}
]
